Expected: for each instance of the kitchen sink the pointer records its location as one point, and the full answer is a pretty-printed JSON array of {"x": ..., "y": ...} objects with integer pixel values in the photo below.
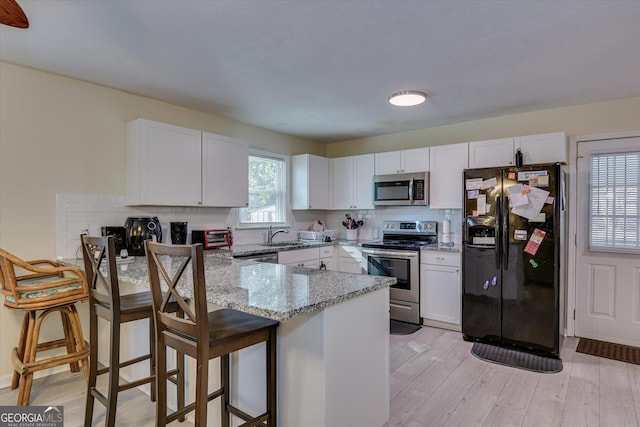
[{"x": 283, "y": 244}]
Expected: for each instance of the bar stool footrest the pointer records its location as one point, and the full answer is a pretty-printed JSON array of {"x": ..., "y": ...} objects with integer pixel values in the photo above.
[{"x": 190, "y": 407}]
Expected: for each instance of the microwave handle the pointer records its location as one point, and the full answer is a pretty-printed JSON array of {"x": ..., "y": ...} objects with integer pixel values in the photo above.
[{"x": 411, "y": 190}]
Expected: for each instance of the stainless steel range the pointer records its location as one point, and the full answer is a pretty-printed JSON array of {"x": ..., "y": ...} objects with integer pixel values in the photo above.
[{"x": 398, "y": 255}]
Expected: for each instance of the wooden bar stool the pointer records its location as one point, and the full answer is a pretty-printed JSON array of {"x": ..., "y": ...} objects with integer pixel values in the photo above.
[
  {"x": 107, "y": 303},
  {"x": 203, "y": 335},
  {"x": 40, "y": 288}
]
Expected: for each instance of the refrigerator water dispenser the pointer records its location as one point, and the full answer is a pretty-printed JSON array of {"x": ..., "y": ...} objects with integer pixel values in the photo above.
[{"x": 481, "y": 231}]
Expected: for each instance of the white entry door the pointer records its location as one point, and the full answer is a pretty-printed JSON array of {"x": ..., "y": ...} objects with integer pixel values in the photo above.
[{"x": 608, "y": 241}]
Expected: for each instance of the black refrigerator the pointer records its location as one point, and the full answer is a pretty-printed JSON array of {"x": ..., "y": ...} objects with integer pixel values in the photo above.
[{"x": 512, "y": 254}]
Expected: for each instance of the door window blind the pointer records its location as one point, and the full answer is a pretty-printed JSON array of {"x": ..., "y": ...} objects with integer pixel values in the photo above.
[{"x": 615, "y": 203}]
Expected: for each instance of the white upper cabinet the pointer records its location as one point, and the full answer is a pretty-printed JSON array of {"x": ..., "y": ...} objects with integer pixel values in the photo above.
[
  {"x": 445, "y": 180},
  {"x": 225, "y": 171},
  {"x": 169, "y": 165},
  {"x": 364, "y": 170},
  {"x": 405, "y": 161},
  {"x": 491, "y": 153},
  {"x": 543, "y": 148},
  {"x": 352, "y": 182},
  {"x": 309, "y": 182},
  {"x": 163, "y": 164}
]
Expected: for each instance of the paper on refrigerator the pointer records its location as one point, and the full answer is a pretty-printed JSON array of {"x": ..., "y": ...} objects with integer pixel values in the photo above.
[
  {"x": 518, "y": 195},
  {"x": 537, "y": 198}
]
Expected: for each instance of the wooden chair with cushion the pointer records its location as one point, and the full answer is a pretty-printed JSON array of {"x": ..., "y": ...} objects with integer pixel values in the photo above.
[
  {"x": 203, "y": 336},
  {"x": 107, "y": 303},
  {"x": 40, "y": 288}
]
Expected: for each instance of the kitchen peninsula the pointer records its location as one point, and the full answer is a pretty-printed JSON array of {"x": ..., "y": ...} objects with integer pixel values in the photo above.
[{"x": 333, "y": 343}]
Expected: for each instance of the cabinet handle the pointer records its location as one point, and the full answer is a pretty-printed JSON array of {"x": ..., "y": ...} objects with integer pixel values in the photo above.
[{"x": 310, "y": 206}]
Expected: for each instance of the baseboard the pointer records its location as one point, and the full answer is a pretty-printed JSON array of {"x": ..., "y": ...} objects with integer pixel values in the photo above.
[
  {"x": 5, "y": 380},
  {"x": 442, "y": 325}
]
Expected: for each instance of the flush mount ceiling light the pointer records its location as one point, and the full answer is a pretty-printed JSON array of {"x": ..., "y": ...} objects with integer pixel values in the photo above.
[{"x": 407, "y": 98}]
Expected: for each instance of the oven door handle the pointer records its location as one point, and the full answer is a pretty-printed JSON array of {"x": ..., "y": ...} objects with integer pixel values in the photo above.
[{"x": 403, "y": 254}]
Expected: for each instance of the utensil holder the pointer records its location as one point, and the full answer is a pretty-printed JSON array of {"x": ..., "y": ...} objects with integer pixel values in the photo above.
[{"x": 352, "y": 234}]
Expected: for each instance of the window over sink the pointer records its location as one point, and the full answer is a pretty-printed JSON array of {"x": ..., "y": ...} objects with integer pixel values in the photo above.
[{"x": 267, "y": 191}]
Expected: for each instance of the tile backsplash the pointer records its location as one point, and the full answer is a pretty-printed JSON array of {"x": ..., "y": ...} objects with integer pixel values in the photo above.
[
  {"x": 374, "y": 218},
  {"x": 77, "y": 213}
]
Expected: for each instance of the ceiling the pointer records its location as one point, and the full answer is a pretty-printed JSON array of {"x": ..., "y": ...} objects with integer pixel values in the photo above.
[{"x": 323, "y": 69}]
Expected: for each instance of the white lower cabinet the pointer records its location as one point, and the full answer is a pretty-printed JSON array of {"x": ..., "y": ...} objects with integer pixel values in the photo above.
[
  {"x": 350, "y": 260},
  {"x": 308, "y": 257},
  {"x": 323, "y": 257},
  {"x": 441, "y": 289},
  {"x": 328, "y": 258}
]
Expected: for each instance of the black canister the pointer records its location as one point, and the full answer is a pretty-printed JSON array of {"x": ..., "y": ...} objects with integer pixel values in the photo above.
[
  {"x": 140, "y": 229},
  {"x": 179, "y": 233},
  {"x": 519, "y": 158}
]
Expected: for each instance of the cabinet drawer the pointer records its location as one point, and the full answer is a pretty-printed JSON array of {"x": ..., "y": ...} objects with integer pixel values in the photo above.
[
  {"x": 327, "y": 251},
  {"x": 299, "y": 255},
  {"x": 349, "y": 251},
  {"x": 441, "y": 258}
]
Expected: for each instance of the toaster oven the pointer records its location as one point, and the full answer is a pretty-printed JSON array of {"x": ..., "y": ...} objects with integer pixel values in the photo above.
[{"x": 212, "y": 239}]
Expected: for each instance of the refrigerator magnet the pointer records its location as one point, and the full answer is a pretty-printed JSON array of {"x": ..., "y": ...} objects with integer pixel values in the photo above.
[
  {"x": 472, "y": 194},
  {"x": 534, "y": 241},
  {"x": 543, "y": 181},
  {"x": 549, "y": 200},
  {"x": 533, "y": 263},
  {"x": 511, "y": 175},
  {"x": 520, "y": 235}
]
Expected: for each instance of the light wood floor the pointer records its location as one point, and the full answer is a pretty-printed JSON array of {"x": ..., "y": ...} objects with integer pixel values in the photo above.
[{"x": 435, "y": 381}]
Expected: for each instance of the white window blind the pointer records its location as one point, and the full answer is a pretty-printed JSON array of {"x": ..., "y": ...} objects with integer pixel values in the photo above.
[{"x": 615, "y": 202}]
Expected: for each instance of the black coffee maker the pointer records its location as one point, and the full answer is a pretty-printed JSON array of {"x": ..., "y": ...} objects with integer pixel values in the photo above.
[
  {"x": 140, "y": 229},
  {"x": 178, "y": 233}
]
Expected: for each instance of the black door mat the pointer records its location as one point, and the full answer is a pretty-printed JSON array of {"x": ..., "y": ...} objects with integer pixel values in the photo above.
[
  {"x": 516, "y": 359},
  {"x": 623, "y": 353},
  {"x": 402, "y": 328}
]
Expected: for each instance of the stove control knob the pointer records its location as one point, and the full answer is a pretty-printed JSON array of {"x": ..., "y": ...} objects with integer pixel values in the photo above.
[
  {"x": 429, "y": 226},
  {"x": 393, "y": 226},
  {"x": 420, "y": 227}
]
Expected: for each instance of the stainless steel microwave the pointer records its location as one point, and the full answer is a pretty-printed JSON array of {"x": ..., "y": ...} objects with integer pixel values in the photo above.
[{"x": 403, "y": 189}]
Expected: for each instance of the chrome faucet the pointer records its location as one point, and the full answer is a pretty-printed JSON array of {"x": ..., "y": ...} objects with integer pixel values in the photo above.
[{"x": 271, "y": 233}]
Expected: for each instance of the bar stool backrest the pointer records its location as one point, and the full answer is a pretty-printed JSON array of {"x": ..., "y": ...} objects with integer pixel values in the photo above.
[
  {"x": 103, "y": 282},
  {"x": 39, "y": 283},
  {"x": 169, "y": 278}
]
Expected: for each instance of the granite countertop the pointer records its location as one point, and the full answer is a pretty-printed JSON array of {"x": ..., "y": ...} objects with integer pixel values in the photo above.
[{"x": 275, "y": 291}]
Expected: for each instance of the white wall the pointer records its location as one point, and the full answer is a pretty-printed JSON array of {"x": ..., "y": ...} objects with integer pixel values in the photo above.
[
  {"x": 585, "y": 119},
  {"x": 64, "y": 136}
]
